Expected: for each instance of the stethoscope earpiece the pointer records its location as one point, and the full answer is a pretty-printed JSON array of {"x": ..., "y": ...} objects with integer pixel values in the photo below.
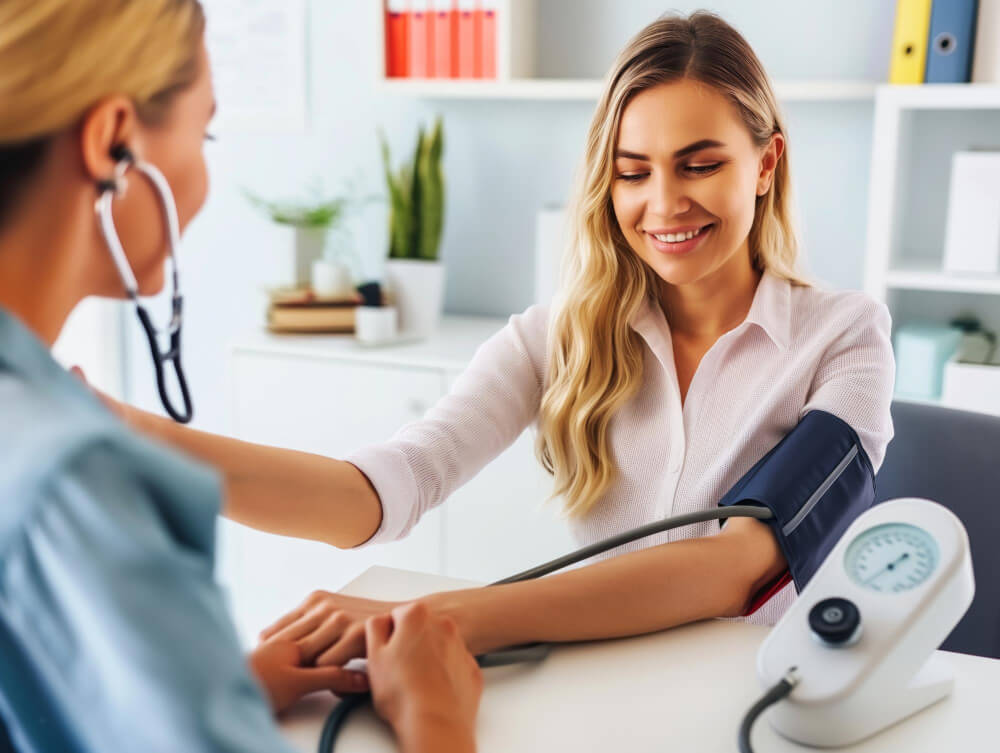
[{"x": 121, "y": 153}]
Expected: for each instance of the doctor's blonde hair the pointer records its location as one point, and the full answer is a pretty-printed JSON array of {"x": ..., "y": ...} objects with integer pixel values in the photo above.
[
  {"x": 595, "y": 358},
  {"x": 58, "y": 58}
]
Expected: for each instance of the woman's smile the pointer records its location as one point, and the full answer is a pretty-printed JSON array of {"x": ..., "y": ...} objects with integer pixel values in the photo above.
[{"x": 678, "y": 243}]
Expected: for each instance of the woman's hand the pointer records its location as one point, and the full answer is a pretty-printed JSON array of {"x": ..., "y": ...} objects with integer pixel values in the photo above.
[
  {"x": 279, "y": 668},
  {"x": 424, "y": 681},
  {"x": 329, "y": 629}
]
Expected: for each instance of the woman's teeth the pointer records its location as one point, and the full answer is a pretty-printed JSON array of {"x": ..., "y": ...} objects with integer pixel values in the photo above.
[{"x": 677, "y": 237}]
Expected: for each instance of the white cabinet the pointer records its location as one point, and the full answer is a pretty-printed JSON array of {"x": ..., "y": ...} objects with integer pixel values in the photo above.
[{"x": 328, "y": 395}]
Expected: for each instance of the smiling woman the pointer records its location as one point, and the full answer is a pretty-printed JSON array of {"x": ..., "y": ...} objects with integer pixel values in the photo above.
[{"x": 687, "y": 143}]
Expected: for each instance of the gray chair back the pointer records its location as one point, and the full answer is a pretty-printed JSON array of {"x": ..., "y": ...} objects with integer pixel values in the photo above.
[{"x": 953, "y": 457}]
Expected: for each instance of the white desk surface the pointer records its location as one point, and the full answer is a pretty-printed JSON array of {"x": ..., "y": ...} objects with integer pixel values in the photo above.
[{"x": 684, "y": 690}]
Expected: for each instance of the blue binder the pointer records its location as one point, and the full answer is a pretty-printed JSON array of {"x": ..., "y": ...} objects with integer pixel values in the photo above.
[{"x": 951, "y": 41}]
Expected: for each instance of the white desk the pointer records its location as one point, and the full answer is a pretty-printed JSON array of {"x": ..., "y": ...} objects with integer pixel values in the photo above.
[{"x": 683, "y": 690}]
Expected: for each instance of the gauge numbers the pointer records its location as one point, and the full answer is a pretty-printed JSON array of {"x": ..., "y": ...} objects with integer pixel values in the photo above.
[{"x": 891, "y": 557}]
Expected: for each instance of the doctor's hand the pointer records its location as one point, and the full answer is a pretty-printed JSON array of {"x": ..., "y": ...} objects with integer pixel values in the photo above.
[
  {"x": 279, "y": 667},
  {"x": 328, "y": 628},
  {"x": 424, "y": 681}
]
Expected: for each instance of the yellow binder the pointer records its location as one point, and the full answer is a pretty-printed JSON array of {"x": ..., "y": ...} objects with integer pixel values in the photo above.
[{"x": 909, "y": 42}]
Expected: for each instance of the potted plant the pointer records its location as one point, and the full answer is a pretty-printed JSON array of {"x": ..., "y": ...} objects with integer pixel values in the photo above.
[
  {"x": 414, "y": 274},
  {"x": 313, "y": 221}
]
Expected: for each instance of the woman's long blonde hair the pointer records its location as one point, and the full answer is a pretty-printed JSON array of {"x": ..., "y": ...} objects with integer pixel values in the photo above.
[
  {"x": 58, "y": 58},
  {"x": 595, "y": 358}
]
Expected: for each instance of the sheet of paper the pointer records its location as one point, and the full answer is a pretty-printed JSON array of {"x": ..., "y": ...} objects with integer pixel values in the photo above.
[{"x": 258, "y": 53}]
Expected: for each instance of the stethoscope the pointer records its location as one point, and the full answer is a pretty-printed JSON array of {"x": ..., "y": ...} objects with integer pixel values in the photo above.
[{"x": 115, "y": 187}]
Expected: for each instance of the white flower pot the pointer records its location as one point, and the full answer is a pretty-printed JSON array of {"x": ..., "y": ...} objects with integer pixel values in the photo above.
[
  {"x": 331, "y": 279},
  {"x": 418, "y": 290},
  {"x": 309, "y": 245}
]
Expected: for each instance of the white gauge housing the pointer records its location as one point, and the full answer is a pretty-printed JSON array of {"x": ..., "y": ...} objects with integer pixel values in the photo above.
[{"x": 906, "y": 565}]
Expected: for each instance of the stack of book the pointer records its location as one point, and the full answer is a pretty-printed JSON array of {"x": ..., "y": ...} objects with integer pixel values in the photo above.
[
  {"x": 441, "y": 38},
  {"x": 946, "y": 42},
  {"x": 299, "y": 310}
]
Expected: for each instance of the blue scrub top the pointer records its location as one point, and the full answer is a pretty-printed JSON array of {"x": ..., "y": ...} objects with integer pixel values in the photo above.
[{"x": 113, "y": 633}]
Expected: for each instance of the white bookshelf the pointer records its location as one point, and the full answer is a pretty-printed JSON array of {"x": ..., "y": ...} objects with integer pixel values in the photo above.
[
  {"x": 516, "y": 38},
  {"x": 589, "y": 90},
  {"x": 917, "y": 129},
  {"x": 931, "y": 279}
]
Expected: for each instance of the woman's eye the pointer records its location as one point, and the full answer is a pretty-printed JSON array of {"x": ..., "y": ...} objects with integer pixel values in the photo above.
[
  {"x": 702, "y": 169},
  {"x": 632, "y": 177}
]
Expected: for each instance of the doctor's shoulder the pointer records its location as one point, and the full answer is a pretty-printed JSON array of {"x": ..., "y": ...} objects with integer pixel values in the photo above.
[{"x": 55, "y": 441}]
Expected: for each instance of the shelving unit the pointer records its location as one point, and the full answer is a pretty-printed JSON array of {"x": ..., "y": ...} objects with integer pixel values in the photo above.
[
  {"x": 516, "y": 39},
  {"x": 588, "y": 90},
  {"x": 917, "y": 129},
  {"x": 935, "y": 280}
]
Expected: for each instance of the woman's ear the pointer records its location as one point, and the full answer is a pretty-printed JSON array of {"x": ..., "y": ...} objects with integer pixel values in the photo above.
[
  {"x": 769, "y": 162},
  {"x": 111, "y": 122}
]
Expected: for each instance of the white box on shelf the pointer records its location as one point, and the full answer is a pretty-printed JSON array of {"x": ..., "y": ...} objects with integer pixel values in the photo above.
[
  {"x": 972, "y": 386},
  {"x": 986, "y": 62},
  {"x": 515, "y": 39},
  {"x": 972, "y": 235}
]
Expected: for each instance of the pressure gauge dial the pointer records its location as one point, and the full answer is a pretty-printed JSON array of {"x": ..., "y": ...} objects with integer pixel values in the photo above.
[{"x": 891, "y": 557}]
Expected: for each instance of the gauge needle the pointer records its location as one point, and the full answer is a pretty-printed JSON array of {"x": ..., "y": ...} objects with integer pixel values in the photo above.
[{"x": 890, "y": 566}]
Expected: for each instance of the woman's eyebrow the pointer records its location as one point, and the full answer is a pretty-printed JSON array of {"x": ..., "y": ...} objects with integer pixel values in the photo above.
[{"x": 696, "y": 146}]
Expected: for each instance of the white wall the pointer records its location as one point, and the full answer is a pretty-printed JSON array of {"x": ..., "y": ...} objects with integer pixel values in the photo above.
[{"x": 503, "y": 161}]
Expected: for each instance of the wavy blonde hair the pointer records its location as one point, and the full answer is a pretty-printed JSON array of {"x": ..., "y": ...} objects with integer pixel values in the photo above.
[
  {"x": 595, "y": 358},
  {"x": 58, "y": 58}
]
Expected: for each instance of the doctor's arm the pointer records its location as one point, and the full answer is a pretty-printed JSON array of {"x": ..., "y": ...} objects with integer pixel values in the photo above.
[
  {"x": 314, "y": 497},
  {"x": 272, "y": 489}
]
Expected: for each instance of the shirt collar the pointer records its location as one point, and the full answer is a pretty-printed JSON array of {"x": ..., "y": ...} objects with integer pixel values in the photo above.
[{"x": 770, "y": 310}]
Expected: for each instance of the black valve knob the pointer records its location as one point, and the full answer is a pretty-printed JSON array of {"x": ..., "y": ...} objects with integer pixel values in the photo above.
[{"x": 836, "y": 622}]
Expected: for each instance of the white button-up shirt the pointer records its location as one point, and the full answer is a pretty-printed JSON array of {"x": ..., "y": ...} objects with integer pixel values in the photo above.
[{"x": 799, "y": 349}]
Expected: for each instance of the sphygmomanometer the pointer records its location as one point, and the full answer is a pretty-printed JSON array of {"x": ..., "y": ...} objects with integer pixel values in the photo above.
[{"x": 809, "y": 489}]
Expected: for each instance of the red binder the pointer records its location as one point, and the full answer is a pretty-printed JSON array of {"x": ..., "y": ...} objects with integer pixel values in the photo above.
[
  {"x": 445, "y": 38},
  {"x": 397, "y": 33},
  {"x": 421, "y": 43},
  {"x": 488, "y": 47},
  {"x": 470, "y": 17}
]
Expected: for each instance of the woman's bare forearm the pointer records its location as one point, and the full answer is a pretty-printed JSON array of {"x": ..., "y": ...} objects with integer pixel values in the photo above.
[
  {"x": 636, "y": 593},
  {"x": 281, "y": 491}
]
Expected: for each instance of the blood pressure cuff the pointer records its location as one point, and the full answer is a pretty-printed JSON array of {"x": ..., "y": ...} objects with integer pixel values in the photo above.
[{"x": 815, "y": 481}]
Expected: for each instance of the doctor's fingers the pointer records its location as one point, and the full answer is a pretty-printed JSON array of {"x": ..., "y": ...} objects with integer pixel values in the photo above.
[
  {"x": 335, "y": 679},
  {"x": 332, "y": 630}
]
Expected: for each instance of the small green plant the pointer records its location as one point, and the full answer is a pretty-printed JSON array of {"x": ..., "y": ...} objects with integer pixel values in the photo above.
[
  {"x": 317, "y": 211},
  {"x": 416, "y": 198}
]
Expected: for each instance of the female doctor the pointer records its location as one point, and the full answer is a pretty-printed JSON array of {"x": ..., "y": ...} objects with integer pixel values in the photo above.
[
  {"x": 685, "y": 344},
  {"x": 113, "y": 634}
]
